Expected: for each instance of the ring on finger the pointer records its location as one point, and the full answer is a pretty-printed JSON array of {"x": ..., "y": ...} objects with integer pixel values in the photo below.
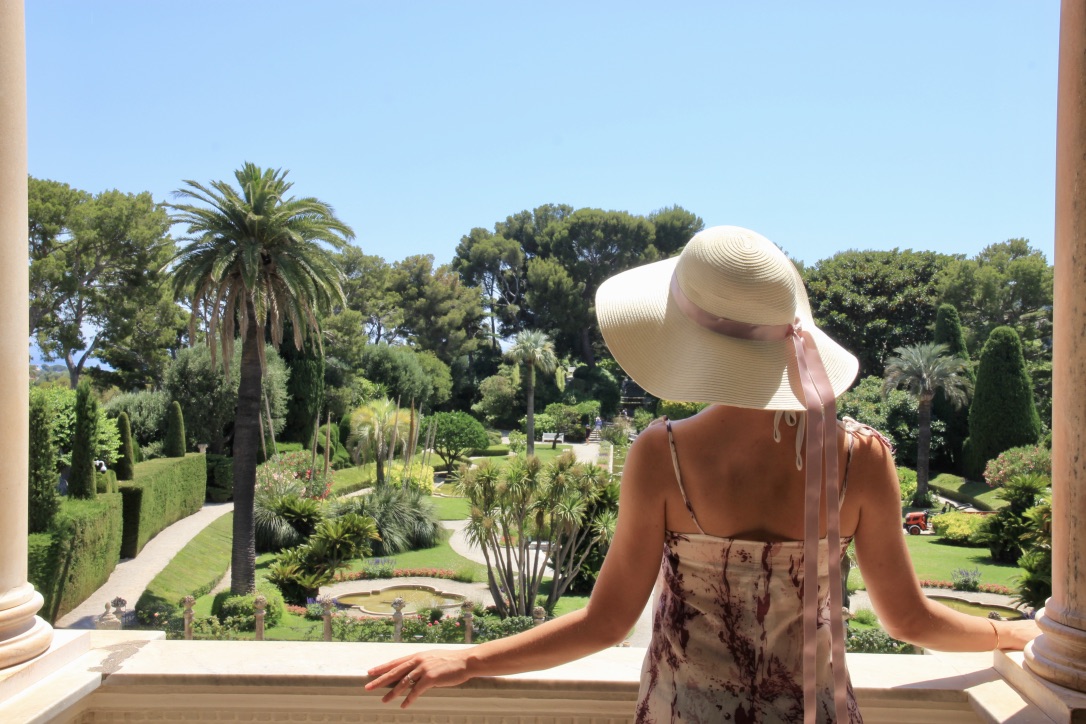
[{"x": 408, "y": 680}]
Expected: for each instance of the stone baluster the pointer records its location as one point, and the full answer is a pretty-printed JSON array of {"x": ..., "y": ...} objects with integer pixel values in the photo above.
[
  {"x": 397, "y": 619},
  {"x": 539, "y": 615},
  {"x": 260, "y": 603},
  {"x": 188, "y": 602},
  {"x": 466, "y": 609},
  {"x": 107, "y": 621},
  {"x": 23, "y": 634},
  {"x": 1059, "y": 653},
  {"x": 119, "y": 604},
  {"x": 326, "y": 605}
]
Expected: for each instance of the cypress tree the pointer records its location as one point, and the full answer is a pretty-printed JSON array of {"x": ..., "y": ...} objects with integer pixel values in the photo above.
[
  {"x": 43, "y": 498},
  {"x": 175, "y": 432},
  {"x": 127, "y": 462},
  {"x": 948, "y": 331},
  {"x": 305, "y": 387},
  {"x": 1002, "y": 415},
  {"x": 81, "y": 482}
]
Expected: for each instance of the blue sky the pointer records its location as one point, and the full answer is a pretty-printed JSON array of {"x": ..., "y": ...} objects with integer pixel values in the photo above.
[{"x": 825, "y": 126}]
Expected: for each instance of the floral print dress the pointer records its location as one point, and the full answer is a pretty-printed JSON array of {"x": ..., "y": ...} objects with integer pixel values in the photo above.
[{"x": 727, "y": 634}]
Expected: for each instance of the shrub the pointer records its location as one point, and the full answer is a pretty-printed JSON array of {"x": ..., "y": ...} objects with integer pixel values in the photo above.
[
  {"x": 906, "y": 478},
  {"x": 1006, "y": 531},
  {"x": 963, "y": 529},
  {"x": 106, "y": 482},
  {"x": 964, "y": 579},
  {"x": 642, "y": 418},
  {"x": 497, "y": 400},
  {"x": 679, "y": 410},
  {"x": 875, "y": 641},
  {"x": 146, "y": 411},
  {"x": 1002, "y": 414},
  {"x": 242, "y": 609},
  {"x": 163, "y": 492},
  {"x": 175, "y": 432},
  {"x": 1024, "y": 460},
  {"x": 43, "y": 501},
  {"x": 81, "y": 482},
  {"x": 518, "y": 442},
  {"x": 866, "y": 617},
  {"x": 405, "y": 519},
  {"x": 295, "y": 466},
  {"x": 74, "y": 559},
  {"x": 339, "y": 458},
  {"x": 127, "y": 461}
]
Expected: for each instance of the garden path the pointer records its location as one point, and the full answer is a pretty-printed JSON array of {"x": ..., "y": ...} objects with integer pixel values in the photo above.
[{"x": 132, "y": 576}]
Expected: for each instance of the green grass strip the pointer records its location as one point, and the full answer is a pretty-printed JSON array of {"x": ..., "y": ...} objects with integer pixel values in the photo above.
[
  {"x": 451, "y": 508},
  {"x": 198, "y": 566},
  {"x": 970, "y": 492}
]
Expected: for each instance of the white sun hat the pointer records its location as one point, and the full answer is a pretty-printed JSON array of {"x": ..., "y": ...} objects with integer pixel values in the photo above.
[{"x": 715, "y": 324}]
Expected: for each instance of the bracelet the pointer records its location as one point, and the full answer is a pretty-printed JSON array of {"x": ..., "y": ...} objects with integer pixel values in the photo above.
[{"x": 995, "y": 630}]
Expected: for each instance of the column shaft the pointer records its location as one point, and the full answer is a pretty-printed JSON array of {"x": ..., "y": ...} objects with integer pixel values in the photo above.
[
  {"x": 1059, "y": 654},
  {"x": 22, "y": 634}
]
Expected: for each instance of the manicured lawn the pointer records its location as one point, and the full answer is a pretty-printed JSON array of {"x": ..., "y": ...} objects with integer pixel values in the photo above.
[
  {"x": 451, "y": 508},
  {"x": 349, "y": 480},
  {"x": 440, "y": 556},
  {"x": 934, "y": 560},
  {"x": 962, "y": 490},
  {"x": 567, "y": 604},
  {"x": 200, "y": 564},
  {"x": 542, "y": 451}
]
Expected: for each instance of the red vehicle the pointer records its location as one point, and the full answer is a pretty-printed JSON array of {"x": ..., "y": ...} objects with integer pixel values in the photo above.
[{"x": 917, "y": 523}]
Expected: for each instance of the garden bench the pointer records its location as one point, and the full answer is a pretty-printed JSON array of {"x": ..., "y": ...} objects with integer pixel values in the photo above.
[{"x": 552, "y": 436}]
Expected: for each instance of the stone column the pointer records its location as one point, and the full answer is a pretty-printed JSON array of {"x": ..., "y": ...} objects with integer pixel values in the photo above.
[
  {"x": 1059, "y": 654},
  {"x": 22, "y": 634}
]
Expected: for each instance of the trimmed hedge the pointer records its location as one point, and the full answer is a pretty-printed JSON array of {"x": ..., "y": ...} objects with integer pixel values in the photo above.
[
  {"x": 164, "y": 491},
  {"x": 106, "y": 482},
  {"x": 74, "y": 559},
  {"x": 243, "y": 608},
  {"x": 220, "y": 478}
]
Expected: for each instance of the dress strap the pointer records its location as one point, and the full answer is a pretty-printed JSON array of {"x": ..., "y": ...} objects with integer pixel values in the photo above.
[{"x": 679, "y": 477}]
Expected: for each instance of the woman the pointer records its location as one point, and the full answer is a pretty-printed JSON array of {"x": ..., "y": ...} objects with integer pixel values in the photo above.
[{"x": 756, "y": 494}]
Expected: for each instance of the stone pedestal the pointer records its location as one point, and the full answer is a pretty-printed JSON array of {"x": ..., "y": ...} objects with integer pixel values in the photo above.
[{"x": 22, "y": 634}]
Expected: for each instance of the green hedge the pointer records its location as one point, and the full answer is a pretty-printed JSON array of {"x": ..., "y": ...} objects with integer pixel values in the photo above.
[
  {"x": 243, "y": 608},
  {"x": 105, "y": 482},
  {"x": 164, "y": 491},
  {"x": 74, "y": 559},
  {"x": 220, "y": 478}
]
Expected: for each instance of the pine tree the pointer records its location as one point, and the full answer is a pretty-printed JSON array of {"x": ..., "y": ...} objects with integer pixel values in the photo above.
[
  {"x": 948, "y": 331},
  {"x": 175, "y": 432},
  {"x": 81, "y": 483},
  {"x": 1002, "y": 415},
  {"x": 43, "y": 498},
  {"x": 127, "y": 462}
]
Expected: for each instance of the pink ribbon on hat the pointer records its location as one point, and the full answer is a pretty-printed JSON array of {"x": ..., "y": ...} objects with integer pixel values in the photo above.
[{"x": 821, "y": 406}]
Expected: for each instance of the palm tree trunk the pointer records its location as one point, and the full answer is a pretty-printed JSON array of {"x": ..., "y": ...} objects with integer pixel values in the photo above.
[
  {"x": 529, "y": 391},
  {"x": 246, "y": 440},
  {"x": 923, "y": 450}
]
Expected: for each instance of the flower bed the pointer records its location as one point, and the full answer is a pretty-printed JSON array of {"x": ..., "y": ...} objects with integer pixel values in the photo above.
[
  {"x": 376, "y": 572},
  {"x": 982, "y": 588}
]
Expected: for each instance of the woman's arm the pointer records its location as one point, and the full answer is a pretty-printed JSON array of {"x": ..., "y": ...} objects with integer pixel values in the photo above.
[
  {"x": 903, "y": 609},
  {"x": 620, "y": 593}
]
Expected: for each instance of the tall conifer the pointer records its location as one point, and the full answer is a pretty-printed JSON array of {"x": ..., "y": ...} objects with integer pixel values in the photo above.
[
  {"x": 126, "y": 465},
  {"x": 175, "y": 432},
  {"x": 43, "y": 498},
  {"x": 948, "y": 331},
  {"x": 81, "y": 483}
]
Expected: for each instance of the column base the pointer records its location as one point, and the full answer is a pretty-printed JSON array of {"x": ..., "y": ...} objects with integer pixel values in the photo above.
[
  {"x": 1059, "y": 653},
  {"x": 1060, "y": 704},
  {"x": 23, "y": 635}
]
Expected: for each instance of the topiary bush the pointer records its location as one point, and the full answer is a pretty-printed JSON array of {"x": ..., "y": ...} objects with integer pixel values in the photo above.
[
  {"x": 175, "y": 432},
  {"x": 81, "y": 483},
  {"x": 906, "y": 479},
  {"x": 1002, "y": 414},
  {"x": 679, "y": 410},
  {"x": 126, "y": 463},
  {"x": 43, "y": 498},
  {"x": 948, "y": 331}
]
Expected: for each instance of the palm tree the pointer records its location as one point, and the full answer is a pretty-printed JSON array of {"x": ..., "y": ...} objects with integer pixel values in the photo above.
[
  {"x": 534, "y": 351},
  {"x": 924, "y": 369},
  {"x": 375, "y": 428},
  {"x": 254, "y": 259}
]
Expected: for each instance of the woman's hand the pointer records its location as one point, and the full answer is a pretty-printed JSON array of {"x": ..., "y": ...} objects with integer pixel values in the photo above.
[
  {"x": 411, "y": 676},
  {"x": 1014, "y": 635}
]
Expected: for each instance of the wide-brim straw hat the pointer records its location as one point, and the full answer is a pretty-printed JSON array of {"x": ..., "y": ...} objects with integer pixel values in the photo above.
[{"x": 733, "y": 274}]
